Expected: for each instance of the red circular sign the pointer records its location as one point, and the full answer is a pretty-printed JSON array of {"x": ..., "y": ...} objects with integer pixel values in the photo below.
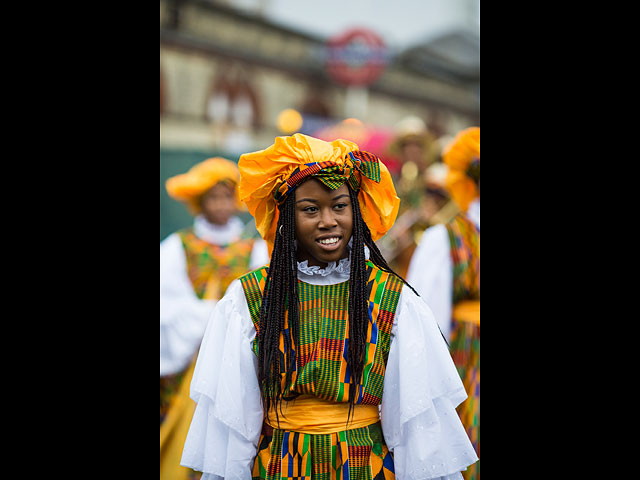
[{"x": 356, "y": 57}]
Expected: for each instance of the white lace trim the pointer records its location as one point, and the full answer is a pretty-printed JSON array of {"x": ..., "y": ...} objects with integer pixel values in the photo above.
[
  {"x": 341, "y": 267},
  {"x": 218, "y": 234}
]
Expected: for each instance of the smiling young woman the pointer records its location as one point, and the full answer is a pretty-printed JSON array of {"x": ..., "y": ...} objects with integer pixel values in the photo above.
[{"x": 299, "y": 373}]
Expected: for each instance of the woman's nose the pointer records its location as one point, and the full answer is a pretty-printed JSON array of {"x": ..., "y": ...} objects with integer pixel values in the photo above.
[{"x": 327, "y": 219}]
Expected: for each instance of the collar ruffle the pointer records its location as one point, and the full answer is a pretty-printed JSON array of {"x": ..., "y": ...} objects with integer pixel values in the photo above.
[
  {"x": 341, "y": 267},
  {"x": 218, "y": 234}
]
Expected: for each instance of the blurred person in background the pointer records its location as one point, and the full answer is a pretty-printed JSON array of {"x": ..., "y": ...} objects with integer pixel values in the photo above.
[
  {"x": 424, "y": 201},
  {"x": 197, "y": 264},
  {"x": 413, "y": 145},
  {"x": 437, "y": 206},
  {"x": 324, "y": 363},
  {"x": 445, "y": 271}
]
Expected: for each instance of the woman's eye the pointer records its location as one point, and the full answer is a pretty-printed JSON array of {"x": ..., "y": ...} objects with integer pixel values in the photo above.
[
  {"x": 309, "y": 209},
  {"x": 340, "y": 206}
]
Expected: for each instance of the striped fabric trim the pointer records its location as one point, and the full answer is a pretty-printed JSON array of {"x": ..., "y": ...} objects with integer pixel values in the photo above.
[
  {"x": 253, "y": 285},
  {"x": 332, "y": 174},
  {"x": 367, "y": 163},
  {"x": 464, "y": 240}
]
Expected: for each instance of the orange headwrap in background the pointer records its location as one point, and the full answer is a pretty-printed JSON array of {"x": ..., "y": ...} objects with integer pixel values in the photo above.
[
  {"x": 458, "y": 156},
  {"x": 188, "y": 187},
  {"x": 262, "y": 172}
]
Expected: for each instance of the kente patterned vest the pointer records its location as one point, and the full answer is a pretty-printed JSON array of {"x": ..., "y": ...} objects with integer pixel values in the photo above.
[
  {"x": 212, "y": 268},
  {"x": 323, "y": 344}
]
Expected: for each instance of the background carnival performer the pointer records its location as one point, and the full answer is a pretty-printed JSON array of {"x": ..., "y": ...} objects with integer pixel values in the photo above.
[
  {"x": 423, "y": 200},
  {"x": 445, "y": 270},
  {"x": 324, "y": 364},
  {"x": 197, "y": 264}
]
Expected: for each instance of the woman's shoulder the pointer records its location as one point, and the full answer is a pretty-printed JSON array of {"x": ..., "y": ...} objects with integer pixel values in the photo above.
[
  {"x": 258, "y": 275},
  {"x": 379, "y": 275}
]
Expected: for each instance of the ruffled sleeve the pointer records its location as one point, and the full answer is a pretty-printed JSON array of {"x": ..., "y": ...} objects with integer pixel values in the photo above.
[
  {"x": 183, "y": 316},
  {"x": 223, "y": 436},
  {"x": 421, "y": 391}
]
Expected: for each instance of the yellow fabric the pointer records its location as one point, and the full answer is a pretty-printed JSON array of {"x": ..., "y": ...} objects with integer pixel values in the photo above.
[
  {"x": 188, "y": 187},
  {"x": 309, "y": 414},
  {"x": 262, "y": 171},
  {"x": 467, "y": 311},
  {"x": 174, "y": 429},
  {"x": 457, "y": 155}
]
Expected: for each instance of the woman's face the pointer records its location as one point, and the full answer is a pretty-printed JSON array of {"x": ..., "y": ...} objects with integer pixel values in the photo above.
[
  {"x": 324, "y": 222},
  {"x": 218, "y": 203}
]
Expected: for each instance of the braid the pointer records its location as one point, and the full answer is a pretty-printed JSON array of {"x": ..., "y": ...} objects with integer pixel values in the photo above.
[
  {"x": 280, "y": 294},
  {"x": 358, "y": 311}
]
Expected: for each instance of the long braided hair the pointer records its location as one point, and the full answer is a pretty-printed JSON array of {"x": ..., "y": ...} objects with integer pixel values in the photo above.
[{"x": 280, "y": 297}]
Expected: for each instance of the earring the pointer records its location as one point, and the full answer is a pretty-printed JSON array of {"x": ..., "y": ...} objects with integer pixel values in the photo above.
[{"x": 280, "y": 230}]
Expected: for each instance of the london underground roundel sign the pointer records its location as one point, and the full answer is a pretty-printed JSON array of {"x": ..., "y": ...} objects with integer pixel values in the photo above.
[{"x": 355, "y": 57}]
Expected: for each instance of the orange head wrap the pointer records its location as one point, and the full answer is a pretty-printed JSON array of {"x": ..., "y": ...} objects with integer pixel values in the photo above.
[
  {"x": 462, "y": 156},
  {"x": 268, "y": 176},
  {"x": 189, "y": 187}
]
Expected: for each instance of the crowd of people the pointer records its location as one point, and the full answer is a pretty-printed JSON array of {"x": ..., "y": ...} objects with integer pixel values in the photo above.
[{"x": 344, "y": 340}]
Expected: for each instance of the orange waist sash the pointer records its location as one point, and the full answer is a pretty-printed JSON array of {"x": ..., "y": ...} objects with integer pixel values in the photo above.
[
  {"x": 467, "y": 311},
  {"x": 309, "y": 414}
]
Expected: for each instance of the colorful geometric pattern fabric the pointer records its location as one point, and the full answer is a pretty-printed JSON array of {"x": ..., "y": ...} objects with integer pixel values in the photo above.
[
  {"x": 357, "y": 454},
  {"x": 212, "y": 268},
  {"x": 323, "y": 343},
  {"x": 465, "y": 351},
  {"x": 253, "y": 286},
  {"x": 465, "y": 337},
  {"x": 332, "y": 174},
  {"x": 464, "y": 239},
  {"x": 367, "y": 163},
  {"x": 322, "y": 371}
]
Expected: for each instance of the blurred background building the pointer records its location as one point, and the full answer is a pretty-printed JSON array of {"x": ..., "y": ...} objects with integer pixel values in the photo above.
[{"x": 236, "y": 74}]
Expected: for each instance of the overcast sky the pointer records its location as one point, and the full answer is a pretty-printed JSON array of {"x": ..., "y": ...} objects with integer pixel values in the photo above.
[{"x": 399, "y": 22}]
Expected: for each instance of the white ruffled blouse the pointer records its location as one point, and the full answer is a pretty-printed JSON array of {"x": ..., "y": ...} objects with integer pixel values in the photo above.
[
  {"x": 183, "y": 316},
  {"x": 418, "y": 415}
]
